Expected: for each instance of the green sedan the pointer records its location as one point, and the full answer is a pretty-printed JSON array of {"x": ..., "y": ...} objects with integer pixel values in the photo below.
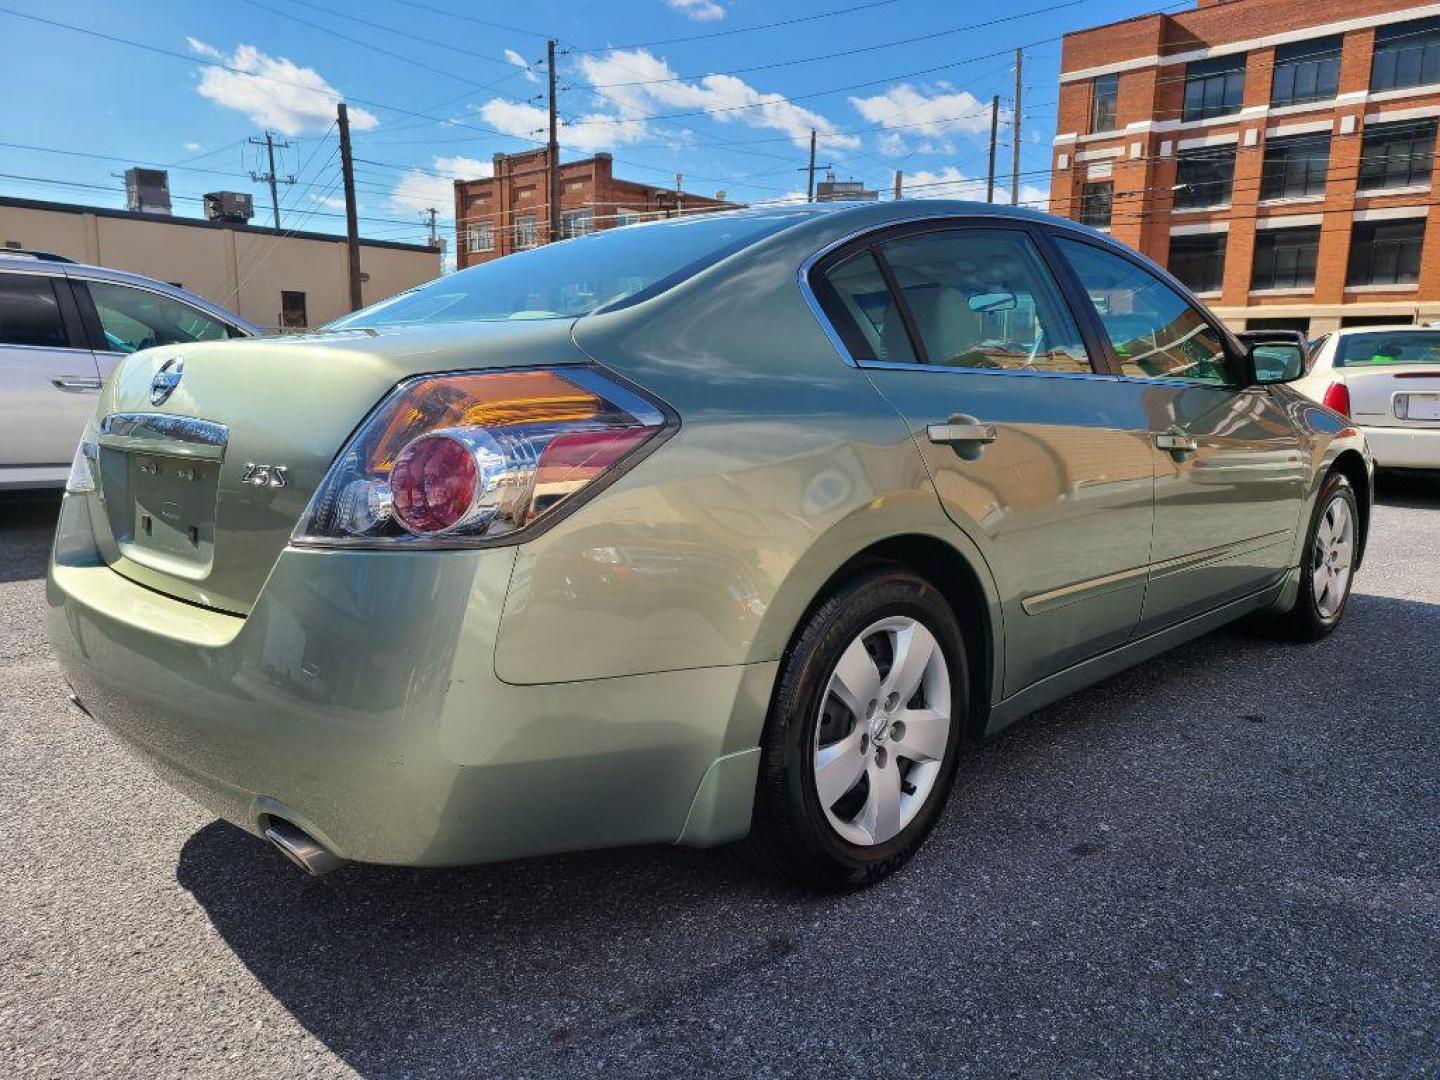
[{"x": 733, "y": 528}]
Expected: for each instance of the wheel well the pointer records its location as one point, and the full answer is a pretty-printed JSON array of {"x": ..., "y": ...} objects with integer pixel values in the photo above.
[
  {"x": 954, "y": 577},
  {"x": 1352, "y": 466}
]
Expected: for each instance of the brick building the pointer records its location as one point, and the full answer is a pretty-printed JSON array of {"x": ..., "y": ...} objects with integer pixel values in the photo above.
[
  {"x": 509, "y": 211},
  {"x": 1276, "y": 155}
]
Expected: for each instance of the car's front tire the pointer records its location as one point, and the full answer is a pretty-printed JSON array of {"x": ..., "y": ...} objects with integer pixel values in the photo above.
[
  {"x": 1327, "y": 569},
  {"x": 864, "y": 733}
]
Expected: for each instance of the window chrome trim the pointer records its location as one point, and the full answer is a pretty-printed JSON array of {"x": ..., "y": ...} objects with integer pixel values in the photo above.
[{"x": 813, "y": 302}]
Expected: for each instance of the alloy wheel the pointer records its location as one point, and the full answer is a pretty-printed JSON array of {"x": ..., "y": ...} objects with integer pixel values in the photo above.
[
  {"x": 1334, "y": 557},
  {"x": 883, "y": 730}
]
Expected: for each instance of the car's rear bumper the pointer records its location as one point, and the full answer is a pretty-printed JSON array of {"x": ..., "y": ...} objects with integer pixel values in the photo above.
[
  {"x": 1404, "y": 447},
  {"x": 359, "y": 701}
]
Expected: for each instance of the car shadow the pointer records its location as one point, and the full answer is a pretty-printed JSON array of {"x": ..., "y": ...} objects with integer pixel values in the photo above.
[
  {"x": 510, "y": 968},
  {"x": 27, "y": 527},
  {"x": 1410, "y": 489}
]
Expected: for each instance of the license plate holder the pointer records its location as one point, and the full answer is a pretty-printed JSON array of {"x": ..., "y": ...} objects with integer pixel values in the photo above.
[
  {"x": 170, "y": 518},
  {"x": 1423, "y": 407}
]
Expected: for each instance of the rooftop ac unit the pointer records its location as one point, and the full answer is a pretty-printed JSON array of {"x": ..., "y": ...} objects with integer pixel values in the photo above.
[{"x": 232, "y": 206}]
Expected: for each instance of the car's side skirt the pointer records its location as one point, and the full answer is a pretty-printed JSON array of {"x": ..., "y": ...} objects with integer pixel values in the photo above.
[{"x": 1079, "y": 676}]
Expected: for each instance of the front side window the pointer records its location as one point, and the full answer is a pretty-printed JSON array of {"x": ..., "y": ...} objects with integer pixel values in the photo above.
[
  {"x": 30, "y": 312},
  {"x": 1306, "y": 71},
  {"x": 1199, "y": 261},
  {"x": 1406, "y": 54},
  {"x": 1397, "y": 155},
  {"x": 1097, "y": 203},
  {"x": 133, "y": 319},
  {"x": 1204, "y": 176},
  {"x": 1386, "y": 252},
  {"x": 1405, "y": 347},
  {"x": 1214, "y": 87},
  {"x": 1295, "y": 166},
  {"x": 1104, "y": 97},
  {"x": 983, "y": 298},
  {"x": 1155, "y": 332},
  {"x": 1285, "y": 258}
]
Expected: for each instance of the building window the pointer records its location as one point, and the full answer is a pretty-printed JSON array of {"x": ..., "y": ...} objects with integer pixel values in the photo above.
[
  {"x": 626, "y": 217},
  {"x": 576, "y": 223},
  {"x": 1276, "y": 323},
  {"x": 1203, "y": 177},
  {"x": 1104, "y": 94},
  {"x": 525, "y": 233},
  {"x": 1199, "y": 261},
  {"x": 1397, "y": 155},
  {"x": 1285, "y": 258},
  {"x": 1386, "y": 252},
  {"x": 1295, "y": 167},
  {"x": 1214, "y": 87},
  {"x": 1349, "y": 321},
  {"x": 1306, "y": 71},
  {"x": 1406, "y": 54},
  {"x": 1096, "y": 202},
  {"x": 292, "y": 310},
  {"x": 480, "y": 237}
]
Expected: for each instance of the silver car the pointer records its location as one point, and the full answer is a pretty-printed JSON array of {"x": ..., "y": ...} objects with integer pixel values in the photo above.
[{"x": 63, "y": 327}]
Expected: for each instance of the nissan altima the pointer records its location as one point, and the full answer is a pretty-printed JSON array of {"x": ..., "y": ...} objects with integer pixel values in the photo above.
[{"x": 733, "y": 528}]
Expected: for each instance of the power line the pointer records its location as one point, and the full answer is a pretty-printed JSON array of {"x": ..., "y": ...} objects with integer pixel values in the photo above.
[{"x": 729, "y": 31}]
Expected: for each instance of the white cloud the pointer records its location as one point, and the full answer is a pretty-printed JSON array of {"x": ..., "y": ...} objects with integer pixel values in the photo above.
[
  {"x": 273, "y": 92},
  {"x": 203, "y": 48},
  {"x": 420, "y": 189},
  {"x": 929, "y": 116},
  {"x": 637, "y": 85},
  {"x": 330, "y": 202},
  {"x": 520, "y": 62},
  {"x": 585, "y": 133},
  {"x": 699, "y": 10},
  {"x": 192, "y": 146},
  {"x": 951, "y": 183}
]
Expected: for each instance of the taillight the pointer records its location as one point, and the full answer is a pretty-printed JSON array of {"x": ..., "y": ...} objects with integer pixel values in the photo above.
[
  {"x": 478, "y": 458},
  {"x": 1337, "y": 397}
]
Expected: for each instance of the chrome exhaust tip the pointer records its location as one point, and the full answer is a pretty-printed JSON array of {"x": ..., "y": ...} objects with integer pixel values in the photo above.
[{"x": 301, "y": 848}]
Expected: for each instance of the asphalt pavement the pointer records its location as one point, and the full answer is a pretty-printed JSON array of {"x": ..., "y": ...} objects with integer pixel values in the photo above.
[{"x": 1226, "y": 861}]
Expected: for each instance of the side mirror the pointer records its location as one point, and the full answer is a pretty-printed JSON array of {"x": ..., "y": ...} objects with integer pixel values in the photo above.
[
  {"x": 1277, "y": 362},
  {"x": 980, "y": 303}
]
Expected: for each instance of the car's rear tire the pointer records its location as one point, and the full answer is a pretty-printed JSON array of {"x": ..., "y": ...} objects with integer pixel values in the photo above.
[
  {"x": 1327, "y": 568},
  {"x": 864, "y": 733}
]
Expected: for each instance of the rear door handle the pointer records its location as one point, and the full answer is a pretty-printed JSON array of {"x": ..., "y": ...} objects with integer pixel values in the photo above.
[
  {"x": 75, "y": 384},
  {"x": 1168, "y": 440},
  {"x": 973, "y": 432}
]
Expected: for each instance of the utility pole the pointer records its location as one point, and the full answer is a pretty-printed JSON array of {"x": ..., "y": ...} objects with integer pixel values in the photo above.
[
  {"x": 994, "y": 140},
  {"x": 554, "y": 148},
  {"x": 269, "y": 177},
  {"x": 1015, "y": 130},
  {"x": 810, "y": 185},
  {"x": 352, "y": 224},
  {"x": 679, "y": 196},
  {"x": 899, "y": 184},
  {"x": 430, "y": 214}
]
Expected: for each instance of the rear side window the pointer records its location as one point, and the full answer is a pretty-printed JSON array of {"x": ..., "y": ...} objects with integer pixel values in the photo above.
[
  {"x": 1156, "y": 332},
  {"x": 982, "y": 298},
  {"x": 863, "y": 293},
  {"x": 30, "y": 312},
  {"x": 135, "y": 319}
]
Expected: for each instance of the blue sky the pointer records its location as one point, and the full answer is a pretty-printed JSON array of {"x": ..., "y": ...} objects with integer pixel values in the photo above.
[{"x": 436, "y": 87}]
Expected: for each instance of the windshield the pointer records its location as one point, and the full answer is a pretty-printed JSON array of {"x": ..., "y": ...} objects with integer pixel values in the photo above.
[
  {"x": 579, "y": 276},
  {"x": 1392, "y": 347}
]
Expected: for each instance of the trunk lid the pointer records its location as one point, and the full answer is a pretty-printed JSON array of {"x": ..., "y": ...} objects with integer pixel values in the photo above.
[
  {"x": 198, "y": 495},
  {"x": 1394, "y": 395}
]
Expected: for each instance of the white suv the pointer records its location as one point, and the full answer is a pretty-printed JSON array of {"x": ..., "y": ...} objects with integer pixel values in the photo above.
[{"x": 63, "y": 326}]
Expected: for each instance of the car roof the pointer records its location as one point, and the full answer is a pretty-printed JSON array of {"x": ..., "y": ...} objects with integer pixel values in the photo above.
[
  {"x": 1386, "y": 328},
  {"x": 37, "y": 263}
]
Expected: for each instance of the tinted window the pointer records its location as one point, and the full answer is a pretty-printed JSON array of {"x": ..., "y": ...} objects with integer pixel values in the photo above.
[
  {"x": 866, "y": 298},
  {"x": 1406, "y": 54},
  {"x": 1203, "y": 177},
  {"x": 1285, "y": 258},
  {"x": 1386, "y": 252},
  {"x": 1096, "y": 204},
  {"x": 1155, "y": 332},
  {"x": 1199, "y": 261},
  {"x": 1214, "y": 87},
  {"x": 1105, "y": 94},
  {"x": 1306, "y": 71},
  {"x": 29, "y": 312},
  {"x": 1397, "y": 155},
  {"x": 134, "y": 319},
  {"x": 1410, "y": 347},
  {"x": 1295, "y": 166},
  {"x": 982, "y": 298},
  {"x": 577, "y": 276}
]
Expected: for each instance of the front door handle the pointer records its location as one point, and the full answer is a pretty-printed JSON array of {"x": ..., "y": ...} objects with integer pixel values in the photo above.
[
  {"x": 1169, "y": 440},
  {"x": 75, "y": 384},
  {"x": 970, "y": 432}
]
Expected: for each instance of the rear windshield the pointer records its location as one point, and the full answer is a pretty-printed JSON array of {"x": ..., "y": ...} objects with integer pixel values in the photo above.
[
  {"x": 575, "y": 277},
  {"x": 1404, "y": 347}
]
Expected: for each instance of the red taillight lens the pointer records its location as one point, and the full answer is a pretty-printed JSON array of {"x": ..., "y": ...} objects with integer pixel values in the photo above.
[
  {"x": 1337, "y": 397},
  {"x": 473, "y": 458}
]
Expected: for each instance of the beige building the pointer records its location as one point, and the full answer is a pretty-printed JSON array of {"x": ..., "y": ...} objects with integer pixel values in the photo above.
[{"x": 293, "y": 279}]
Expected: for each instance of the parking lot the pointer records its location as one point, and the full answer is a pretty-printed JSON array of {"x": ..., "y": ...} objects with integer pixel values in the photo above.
[{"x": 1225, "y": 861}]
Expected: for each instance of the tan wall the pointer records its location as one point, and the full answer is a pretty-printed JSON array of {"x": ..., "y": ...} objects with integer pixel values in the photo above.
[{"x": 243, "y": 271}]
